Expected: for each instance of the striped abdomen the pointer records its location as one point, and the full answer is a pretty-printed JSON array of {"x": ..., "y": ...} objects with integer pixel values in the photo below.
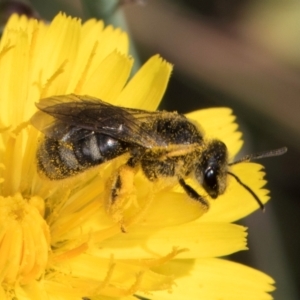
[{"x": 59, "y": 159}]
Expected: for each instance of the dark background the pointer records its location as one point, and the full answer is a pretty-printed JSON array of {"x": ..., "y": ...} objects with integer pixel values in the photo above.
[{"x": 236, "y": 53}]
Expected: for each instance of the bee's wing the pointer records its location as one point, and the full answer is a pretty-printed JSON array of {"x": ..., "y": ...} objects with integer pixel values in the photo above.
[{"x": 61, "y": 117}]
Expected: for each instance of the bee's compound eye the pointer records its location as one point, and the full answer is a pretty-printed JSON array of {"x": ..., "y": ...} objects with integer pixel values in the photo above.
[
  {"x": 211, "y": 182},
  {"x": 210, "y": 178}
]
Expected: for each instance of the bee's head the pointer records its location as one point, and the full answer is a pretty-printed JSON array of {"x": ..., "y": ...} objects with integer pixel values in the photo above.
[{"x": 211, "y": 171}]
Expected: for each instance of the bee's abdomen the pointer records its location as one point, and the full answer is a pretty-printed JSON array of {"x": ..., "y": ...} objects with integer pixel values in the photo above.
[{"x": 58, "y": 159}]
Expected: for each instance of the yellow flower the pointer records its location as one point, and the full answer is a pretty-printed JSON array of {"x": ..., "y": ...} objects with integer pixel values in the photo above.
[{"x": 57, "y": 239}]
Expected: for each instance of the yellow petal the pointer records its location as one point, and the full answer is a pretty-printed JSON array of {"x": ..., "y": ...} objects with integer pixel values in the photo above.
[
  {"x": 61, "y": 42},
  {"x": 237, "y": 202},
  {"x": 199, "y": 240},
  {"x": 2, "y": 293},
  {"x": 218, "y": 123},
  {"x": 166, "y": 209},
  {"x": 15, "y": 168},
  {"x": 96, "y": 44},
  {"x": 113, "y": 71},
  {"x": 109, "y": 39},
  {"x": 212, "y": 279},
  {"x": 34, "y": 291},
  {"x": 24, "y": 240},
  {"x": 113, "y": 277},
  {"x": 14, "y": 87},
  {"x": 146, "y": 88}
]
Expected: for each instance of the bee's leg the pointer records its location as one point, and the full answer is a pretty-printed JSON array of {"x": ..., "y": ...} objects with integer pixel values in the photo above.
[
  {"x": 123, "y": 182},
  {"x": 193, "y": 194},
  {"x": 122, "y": 191}
]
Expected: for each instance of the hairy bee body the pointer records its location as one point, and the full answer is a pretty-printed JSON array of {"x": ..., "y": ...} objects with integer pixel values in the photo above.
[
  {"x": 80, "y": 149},
  {"x": 59, "y": 159},
  {"x": 82, "y": 132}
]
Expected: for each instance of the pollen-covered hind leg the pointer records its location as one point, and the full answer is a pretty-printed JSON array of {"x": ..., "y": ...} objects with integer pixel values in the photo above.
[
  {"x": 122, "y": 194},
  {"x": 193, "y": 194}
]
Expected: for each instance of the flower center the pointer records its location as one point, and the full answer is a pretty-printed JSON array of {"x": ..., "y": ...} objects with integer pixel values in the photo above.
[{"x": 24, "y": 239}]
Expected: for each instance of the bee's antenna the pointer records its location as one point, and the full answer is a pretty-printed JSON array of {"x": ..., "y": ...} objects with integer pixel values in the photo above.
[
  {"x": 250, "y": 157},
  {"x": 260, "y": 155},
  {"x": 261, "y": 205}
]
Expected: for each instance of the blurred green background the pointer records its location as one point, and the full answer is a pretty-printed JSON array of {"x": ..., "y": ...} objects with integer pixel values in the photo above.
[{"x": 237, "y": 53}]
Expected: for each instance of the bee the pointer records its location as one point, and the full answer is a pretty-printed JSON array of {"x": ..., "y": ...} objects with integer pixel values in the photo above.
[{"x": 82, "y": 132}]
